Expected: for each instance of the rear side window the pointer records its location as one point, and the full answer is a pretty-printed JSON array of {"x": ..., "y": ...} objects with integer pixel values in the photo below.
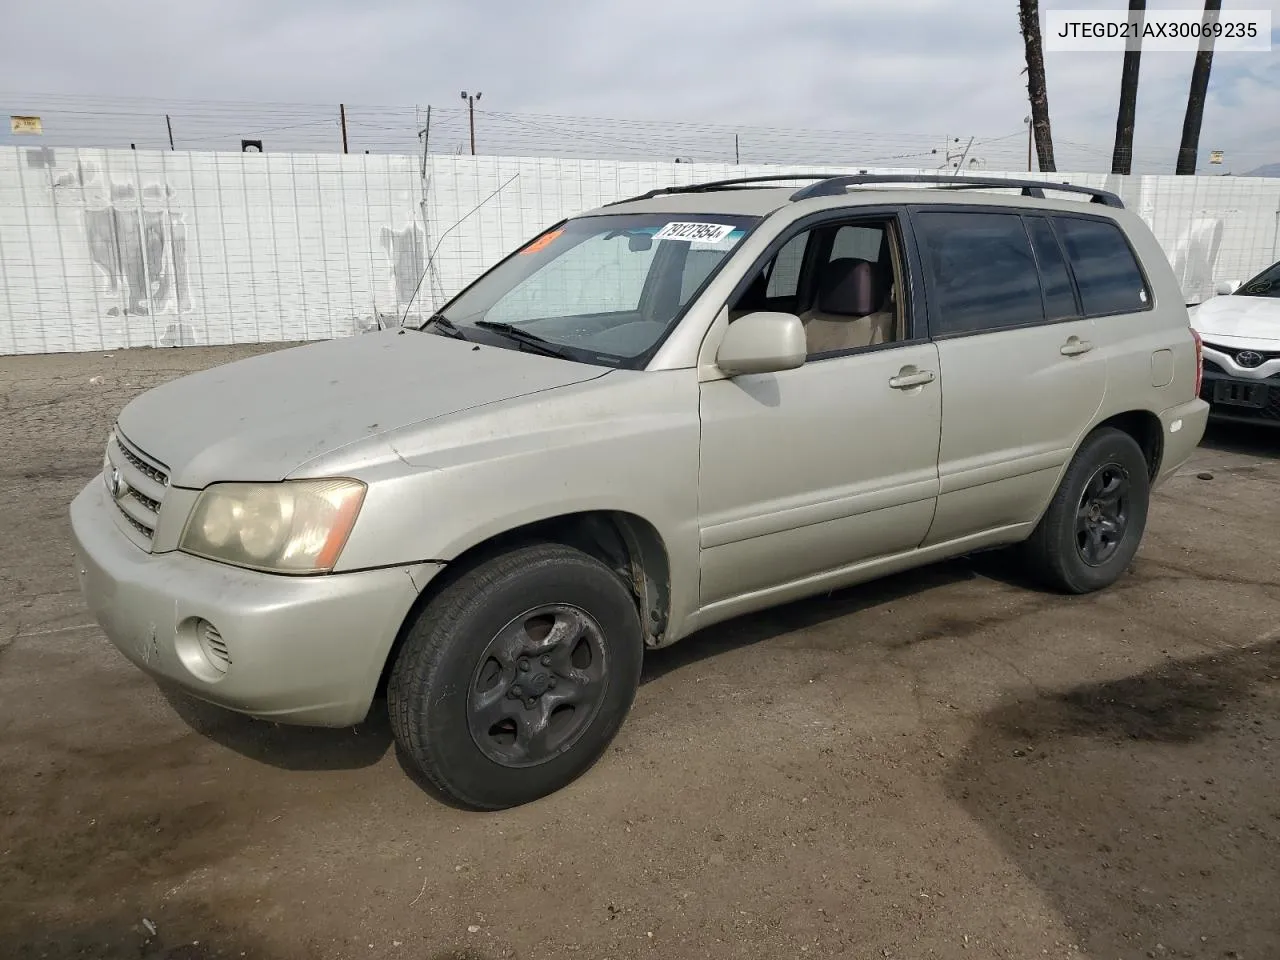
[
  {"x": 1059, "y": 298},
  {"x": 980, "y": 270},
  {"x": 1106, "y": 272}
]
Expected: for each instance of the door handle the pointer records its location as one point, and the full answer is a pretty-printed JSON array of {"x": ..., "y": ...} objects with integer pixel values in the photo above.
[
  {"x": 905, "y": 381},
  {"x": 1074, "y": 347}
]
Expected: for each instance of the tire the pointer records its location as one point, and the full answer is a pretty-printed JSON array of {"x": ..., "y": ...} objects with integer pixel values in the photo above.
[
  {"x": 514, "y": 680},
  {"x": 1076, "y": 547}
]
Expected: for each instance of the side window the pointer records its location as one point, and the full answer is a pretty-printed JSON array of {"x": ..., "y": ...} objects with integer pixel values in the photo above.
[
  {"x": 1109, "y": 278},
  {"x": 1059, "y": 298},
  {"x": 858, "y": 241},
  {"x": 981, "y": 271},
  {"x": 784, "y": 278}
]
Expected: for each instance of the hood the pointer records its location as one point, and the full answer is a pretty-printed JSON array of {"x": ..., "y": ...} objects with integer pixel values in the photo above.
[
  {"x": 1244, "y": 318},
  {"x": 263, "y": 417}
]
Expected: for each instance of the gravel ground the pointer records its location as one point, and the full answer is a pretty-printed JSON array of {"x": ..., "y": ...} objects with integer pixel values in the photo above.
[{"x": 946, "y": 763}]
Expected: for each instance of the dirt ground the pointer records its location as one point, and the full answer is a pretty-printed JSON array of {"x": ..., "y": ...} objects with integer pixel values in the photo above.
[{"x": 941, "y": 764}]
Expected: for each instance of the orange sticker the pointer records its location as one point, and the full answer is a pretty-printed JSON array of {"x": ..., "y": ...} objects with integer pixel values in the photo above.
[{"x": 542, "y": 242}]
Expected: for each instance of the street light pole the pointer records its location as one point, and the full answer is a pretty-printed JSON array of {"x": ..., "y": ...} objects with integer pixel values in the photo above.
[{"x": 471, "y": 116}]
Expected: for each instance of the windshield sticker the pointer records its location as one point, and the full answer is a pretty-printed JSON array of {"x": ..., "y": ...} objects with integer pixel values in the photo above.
[
  {"x": 542, "y": 242},
  {"x": 695, "y": 232},
  {"x": 726, "y": 244}
]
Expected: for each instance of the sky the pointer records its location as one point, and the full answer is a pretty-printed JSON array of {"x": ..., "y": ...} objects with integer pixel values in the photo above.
[{"x": 895, "y": 76}]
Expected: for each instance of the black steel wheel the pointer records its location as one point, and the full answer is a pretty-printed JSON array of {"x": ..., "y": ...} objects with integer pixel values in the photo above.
[
  {"x": 1102, "y": 515},
  {"x": 515, "y": 678},
  {"x": 538, "y": 686},
  {"x": 1093, "y": 527}
]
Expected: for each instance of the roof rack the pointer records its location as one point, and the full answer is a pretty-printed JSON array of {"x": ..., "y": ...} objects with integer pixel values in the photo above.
[
  {"x": 827, "y": 185},
  {"x": 835, "y": 186},
  {"x": 731, "y": 184}
]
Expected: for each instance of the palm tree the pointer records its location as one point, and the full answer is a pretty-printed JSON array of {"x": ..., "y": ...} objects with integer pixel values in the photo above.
[
  {"x": 1122, "y": 157},
  {"x": 1195, "y": 97},
  {"x": 1029, "y": 21}
]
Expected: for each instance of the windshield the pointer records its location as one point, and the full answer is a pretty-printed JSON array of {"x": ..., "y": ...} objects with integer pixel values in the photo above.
[
  {"x": 1265, "y": 284},
  {"x": 601, "y": 289}
]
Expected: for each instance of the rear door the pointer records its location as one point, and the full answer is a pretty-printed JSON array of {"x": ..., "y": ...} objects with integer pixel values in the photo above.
[{"x": 1022, "y": 374}]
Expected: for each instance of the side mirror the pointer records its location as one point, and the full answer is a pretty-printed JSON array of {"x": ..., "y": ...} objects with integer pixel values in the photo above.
[
  {"x": 762, "y": 343},
  {"x": 1224, "y": 288}
]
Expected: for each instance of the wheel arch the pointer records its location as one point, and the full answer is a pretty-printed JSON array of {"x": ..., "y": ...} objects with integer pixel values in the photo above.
[
  {"x": 1146, "y": 430},
  {"x": 627, "y": 543}
]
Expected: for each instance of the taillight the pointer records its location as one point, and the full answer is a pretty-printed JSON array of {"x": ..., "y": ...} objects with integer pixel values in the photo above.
[{"x": 1195, "y": 335}]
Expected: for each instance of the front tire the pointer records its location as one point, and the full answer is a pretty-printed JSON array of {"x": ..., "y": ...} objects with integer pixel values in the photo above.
[
  {"x": 514, "y": 680},
  {"x": 1094, "y": 525}
]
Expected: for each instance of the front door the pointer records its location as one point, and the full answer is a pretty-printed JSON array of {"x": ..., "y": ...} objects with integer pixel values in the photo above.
[{"x": 810, "y": 470}]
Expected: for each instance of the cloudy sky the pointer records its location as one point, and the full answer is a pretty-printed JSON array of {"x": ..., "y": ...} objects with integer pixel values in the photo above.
[{"x": 900, "y": 74}]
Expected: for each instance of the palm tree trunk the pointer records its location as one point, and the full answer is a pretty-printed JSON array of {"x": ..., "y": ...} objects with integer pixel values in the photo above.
[
  {"x": 1122, "y": 156},
  {"x": 1029, "y": 20},
  {"x": 1195, "y": 97}
]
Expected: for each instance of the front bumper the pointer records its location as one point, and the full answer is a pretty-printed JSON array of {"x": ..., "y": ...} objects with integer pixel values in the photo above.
[
  {"x": 1241, "y": 399},
  {"x": 305, "y": 650}
]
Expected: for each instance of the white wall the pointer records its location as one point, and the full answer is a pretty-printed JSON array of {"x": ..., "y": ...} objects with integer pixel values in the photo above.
[{"x": 102, "y": 249}]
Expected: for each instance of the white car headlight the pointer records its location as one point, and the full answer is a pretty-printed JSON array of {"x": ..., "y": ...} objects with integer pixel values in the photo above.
[{"x": 299, "y": 526}]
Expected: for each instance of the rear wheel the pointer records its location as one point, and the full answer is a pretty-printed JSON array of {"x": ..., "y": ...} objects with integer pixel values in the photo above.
[
  {"x": 1094, "y": 524},
  {"x": 514, "y": 680}
]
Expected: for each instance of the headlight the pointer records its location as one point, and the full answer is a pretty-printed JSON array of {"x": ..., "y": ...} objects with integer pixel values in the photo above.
[{"x": 299, "y": 526}]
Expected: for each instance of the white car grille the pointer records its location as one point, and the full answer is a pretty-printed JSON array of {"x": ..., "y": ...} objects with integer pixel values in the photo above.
[{"x": 136, "y": 484}]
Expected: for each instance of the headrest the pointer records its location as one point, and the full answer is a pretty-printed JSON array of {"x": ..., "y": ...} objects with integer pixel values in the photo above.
[{"x": 850, "y": 287}]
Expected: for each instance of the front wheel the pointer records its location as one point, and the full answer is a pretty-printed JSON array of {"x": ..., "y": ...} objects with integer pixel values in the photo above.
[
  {"x": 513, "y": 681},
  {"x": 1094, "y": 525}
]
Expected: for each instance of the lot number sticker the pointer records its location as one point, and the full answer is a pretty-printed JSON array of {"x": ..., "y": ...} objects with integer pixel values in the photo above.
[{"x": 695, "y": 232}]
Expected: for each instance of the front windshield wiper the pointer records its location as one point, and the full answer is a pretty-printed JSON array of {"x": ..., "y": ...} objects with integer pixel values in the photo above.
[
  {"x": 537, "y": 343},
  {"x": 444, "y": 325}
]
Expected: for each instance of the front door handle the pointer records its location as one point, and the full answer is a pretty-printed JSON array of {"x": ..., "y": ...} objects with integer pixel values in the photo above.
[
  {"x": 905, "y": 381},
  {"x": 1075, "y": 346}
]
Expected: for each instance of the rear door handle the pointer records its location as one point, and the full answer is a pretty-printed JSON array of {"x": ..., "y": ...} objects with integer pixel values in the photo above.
[
  {"x": 905, "y": 381},
  {"x": 1075, "y": 346}
]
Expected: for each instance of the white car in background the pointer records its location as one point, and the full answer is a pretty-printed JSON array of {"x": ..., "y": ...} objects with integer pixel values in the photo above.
[{"x": 1240, "y": 329}]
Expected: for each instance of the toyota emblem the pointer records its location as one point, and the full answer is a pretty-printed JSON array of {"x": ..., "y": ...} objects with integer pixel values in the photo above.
[
  {"x": 116, "y": 484},
  {"x": 1250, "y": 358}
]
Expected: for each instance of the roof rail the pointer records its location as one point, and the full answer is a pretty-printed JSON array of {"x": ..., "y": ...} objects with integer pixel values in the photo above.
[
  {"x": 730, "y": 184},
  {"x": 835, "y": 186}
]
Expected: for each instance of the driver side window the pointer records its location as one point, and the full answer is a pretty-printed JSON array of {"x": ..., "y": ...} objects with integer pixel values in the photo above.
[{"x": 842, "y": 279}]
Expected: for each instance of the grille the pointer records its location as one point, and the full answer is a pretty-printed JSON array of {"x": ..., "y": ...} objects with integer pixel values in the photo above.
[
  {"x": 1234, "y": 352},
  {"x": 144, "y": 481},
  {"x": 214, "y": 646}
]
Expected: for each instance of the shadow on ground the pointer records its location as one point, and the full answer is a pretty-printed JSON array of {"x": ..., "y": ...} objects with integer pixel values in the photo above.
[
  {"x": 1003, "y": 566},
  {"x": 182, "y": 931},
  {"x": 1243, "y": 438},
  {"x": 284, "y": 746},
  {"x": 1145, "y": 808}
]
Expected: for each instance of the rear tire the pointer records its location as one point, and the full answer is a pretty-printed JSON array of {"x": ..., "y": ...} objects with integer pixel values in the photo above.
[
  {"x": 514, "y": 680},
  {"x": 1095, "y": 522}
]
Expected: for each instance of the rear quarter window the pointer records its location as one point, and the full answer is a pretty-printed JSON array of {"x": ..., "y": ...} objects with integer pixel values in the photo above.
[{"x": 1107, "y": 274}]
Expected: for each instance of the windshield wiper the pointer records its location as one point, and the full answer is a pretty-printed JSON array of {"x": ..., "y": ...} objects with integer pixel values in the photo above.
[
  {"x": 537, "y": 343},
  {"x": 444, "y": 325}
]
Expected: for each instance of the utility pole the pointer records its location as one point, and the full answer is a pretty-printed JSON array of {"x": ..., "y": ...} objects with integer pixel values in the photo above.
[
  {"x": 169, "y": 123},
  {"x": 471, "y": 111},
  {"x": 342, "y": 116},
  {"x": 1030, "y": 131},
  {"x": 737, "y": 156},
  {"x": 425, "y": 134}
]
